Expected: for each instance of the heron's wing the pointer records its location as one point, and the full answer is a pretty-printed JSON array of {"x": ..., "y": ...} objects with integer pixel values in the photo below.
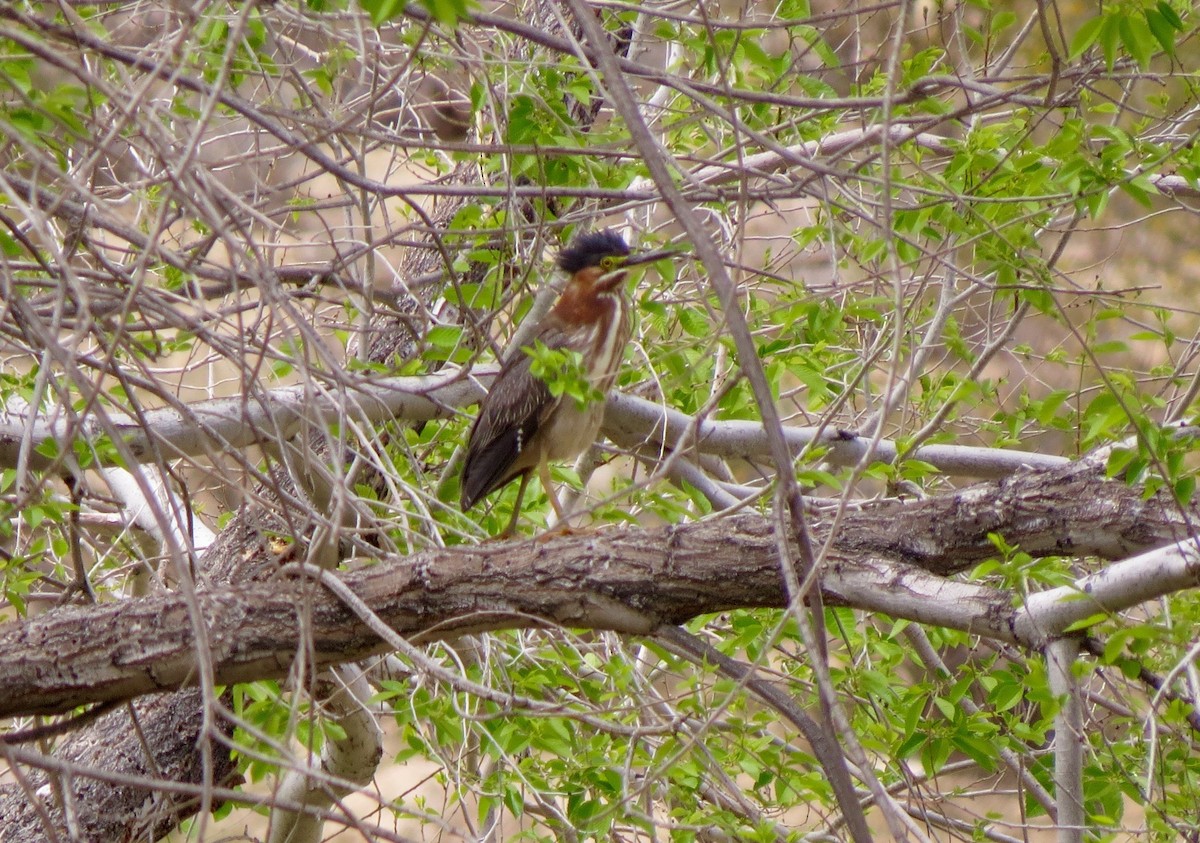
[{"x": 515, "y": 407}]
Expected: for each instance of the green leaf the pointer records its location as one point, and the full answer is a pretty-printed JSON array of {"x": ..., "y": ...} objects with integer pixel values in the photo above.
[
  {"x": 980, "y": 750},
  {"x": 1006, "y": 695},
  {"x": 1109, "y": 36},
  {"x": 1170, "y": 15},
  {"x": 444, "y": 336},
  {"x": 9, "y": 245},
  {"x": 948, "y": 709},
  {"x": 1162, "y": 30},
  {"x": 564, "y": 372},
  {"x": 694, "y": 321},
  {"x": 1184, "y": 489},
  {"x": 1136, "y": 37},
  {"x": 1086, "y": 36},
  {"x": 1002, "y": 21},
  {"x": 1089, "y": 621}
]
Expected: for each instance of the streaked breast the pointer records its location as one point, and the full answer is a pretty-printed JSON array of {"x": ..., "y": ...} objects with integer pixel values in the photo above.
[{"x": 610, "y": 335}]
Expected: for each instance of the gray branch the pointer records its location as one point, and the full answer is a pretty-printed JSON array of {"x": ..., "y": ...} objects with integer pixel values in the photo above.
[
  {"x": 237, "y": 423},
  {"x": 888, "y": 558}
]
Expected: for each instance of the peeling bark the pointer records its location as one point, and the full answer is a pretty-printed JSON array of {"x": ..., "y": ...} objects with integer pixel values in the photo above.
[
  {"x": 104, "y": 810},
  {"x": 887, "y": 558}
]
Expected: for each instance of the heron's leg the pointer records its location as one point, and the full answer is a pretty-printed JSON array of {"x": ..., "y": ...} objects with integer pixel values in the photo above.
[
  {"x": 511, "y": 529},
  {"x": 548, "y": 485}
]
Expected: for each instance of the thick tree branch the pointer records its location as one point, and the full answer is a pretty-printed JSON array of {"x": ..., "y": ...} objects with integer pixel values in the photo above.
[
  {"x": 630, "y": 581},
  {"x": 146, "y": 796}
]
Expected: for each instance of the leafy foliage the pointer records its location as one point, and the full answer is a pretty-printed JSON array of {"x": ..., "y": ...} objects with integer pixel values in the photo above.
[{"x": 972, "y": 229}]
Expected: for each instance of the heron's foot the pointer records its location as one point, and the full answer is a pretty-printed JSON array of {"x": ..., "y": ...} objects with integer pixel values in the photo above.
[{"x": 563, "y": 528}]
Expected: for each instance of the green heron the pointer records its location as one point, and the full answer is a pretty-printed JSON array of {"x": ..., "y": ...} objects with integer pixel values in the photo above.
[{"x": 522, "y": 426}]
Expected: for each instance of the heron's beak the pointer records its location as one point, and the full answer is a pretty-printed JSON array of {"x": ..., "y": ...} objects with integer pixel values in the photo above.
[{"x": 651, "y": 257}]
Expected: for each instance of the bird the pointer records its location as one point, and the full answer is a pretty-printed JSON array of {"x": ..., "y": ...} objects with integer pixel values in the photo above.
[{"x": 522, "y": 426}]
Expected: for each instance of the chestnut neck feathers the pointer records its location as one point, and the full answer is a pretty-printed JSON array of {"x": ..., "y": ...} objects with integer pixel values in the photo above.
[
  {"x": 595, "y": 291},
  {"x": 588, "y": 299}
]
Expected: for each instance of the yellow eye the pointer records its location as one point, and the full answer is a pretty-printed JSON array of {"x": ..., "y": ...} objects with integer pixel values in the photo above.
[{"x": 608, "y": 263}]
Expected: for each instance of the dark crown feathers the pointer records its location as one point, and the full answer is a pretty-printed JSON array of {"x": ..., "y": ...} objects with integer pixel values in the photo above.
[{"x": 587, "y": 250}]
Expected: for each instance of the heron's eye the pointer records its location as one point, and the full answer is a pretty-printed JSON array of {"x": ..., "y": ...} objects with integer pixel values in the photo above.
[{"x": 608, "y": 263}]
